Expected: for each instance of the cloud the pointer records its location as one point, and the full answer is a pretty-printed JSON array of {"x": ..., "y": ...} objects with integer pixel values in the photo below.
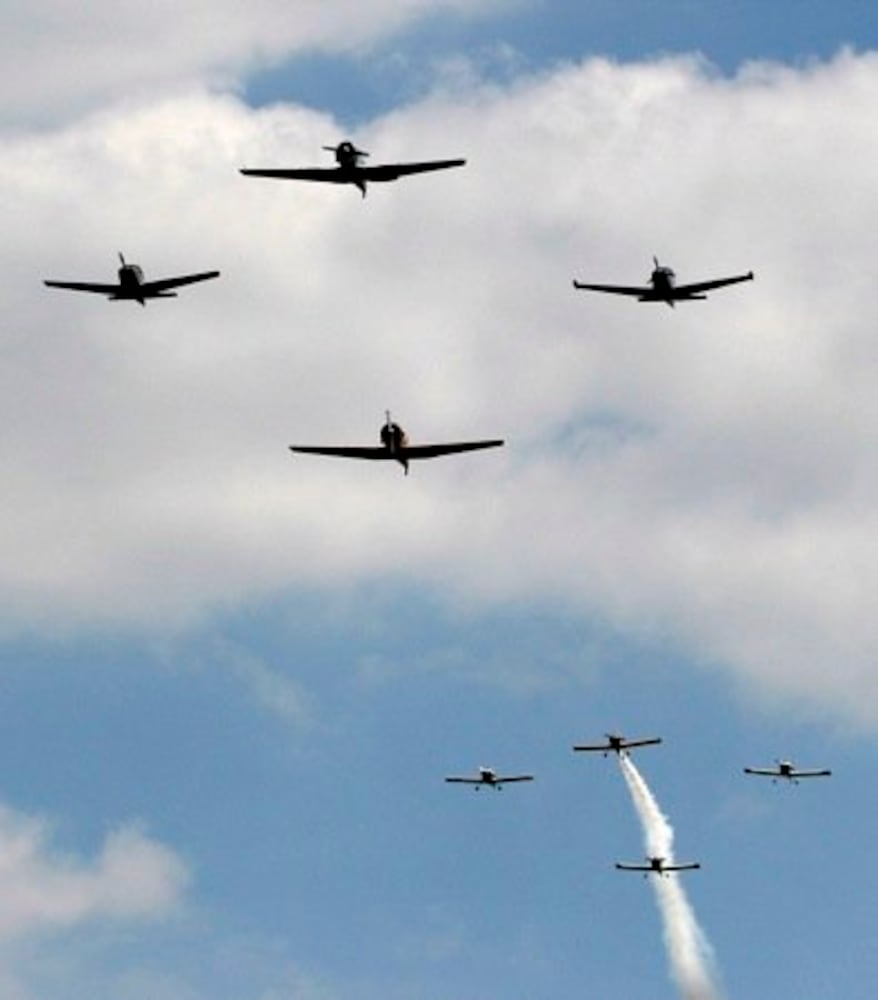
[
  {"x": 270, "y": 688},
  {"x": 703, "y": 475},
  {"x": 59, "y": 58},
  {"x": 133, "y": 877}
]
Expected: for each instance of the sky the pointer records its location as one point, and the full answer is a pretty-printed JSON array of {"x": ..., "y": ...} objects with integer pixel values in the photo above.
[{"x": 233, "y": 679}]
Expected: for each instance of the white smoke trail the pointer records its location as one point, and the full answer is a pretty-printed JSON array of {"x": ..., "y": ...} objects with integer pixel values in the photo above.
[{"x": 689, "y": 952}]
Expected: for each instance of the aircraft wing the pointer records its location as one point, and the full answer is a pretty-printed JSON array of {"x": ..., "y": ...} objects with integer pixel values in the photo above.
[
  {"x": 163, "y": 284},
  {"x": 379, "y": 452},
  {"x": 468, "y": 781},
  {"x": 503, "y": 780},
  {"x": 375, "y": 452},
  {"x": 811, "y": 774},
  {"x": 625, "y": 745},
  {"x": 706, "y": 286},
  {"x": 688, "y": 867},
  {"x": 771, "y": 772},
  {"x": 623, "y": 867},
  {"x": 613, "y": 289},
  {"x": 390, "y": 171},
  {"x": 331, "y": 175},
  {"x": 434, "y": 450},
  {"x": 85, "y": 286}
]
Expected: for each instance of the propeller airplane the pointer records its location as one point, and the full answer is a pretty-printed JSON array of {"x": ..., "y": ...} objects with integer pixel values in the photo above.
[
  {"x": 395, "y": 446},
  {"x": 617, "y": 744},
  {"x": 350, "y": 170},
  {"x": 488, "y": 776},
  {"x": 662, "y": 286},
  {"x": 658, "y": 866},
  {"x": 132, "y": 286},
  {"x": 787, "y": 771}
]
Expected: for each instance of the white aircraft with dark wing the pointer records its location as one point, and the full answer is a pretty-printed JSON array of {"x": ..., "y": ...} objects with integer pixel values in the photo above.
[
  {"x": 132, "y": 286},
  {"x": 350, "y": 169},
  {"x": 395, "y": 446},
  {"x": 488, "y": 776},
  {"x": 663, "y": 287},
  {"x": 618, "y": 744},
  {"x": 787, "y": 771},
  {"x": 658, "y": 866}
]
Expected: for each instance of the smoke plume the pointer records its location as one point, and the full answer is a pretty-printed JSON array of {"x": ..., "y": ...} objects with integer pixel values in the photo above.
[{"x": 689, "y": 953}]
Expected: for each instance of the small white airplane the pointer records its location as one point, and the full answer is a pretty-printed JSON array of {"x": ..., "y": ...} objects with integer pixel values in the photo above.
[
  {"x": 663, "y": 286},
  {"x": 132, "y": 286},
  {"x": 788, "y": 771},
  {"x": 618, "y": 744},
  {"x": 488, "y": 776},
  {"x": 658, "y": 866}
]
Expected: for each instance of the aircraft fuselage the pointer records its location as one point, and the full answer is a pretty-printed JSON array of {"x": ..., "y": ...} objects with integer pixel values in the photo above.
[
  {"x": 130, "y": 282},
  {"x": 395, "y": 440},
  {"x": 663, "y": 281}
]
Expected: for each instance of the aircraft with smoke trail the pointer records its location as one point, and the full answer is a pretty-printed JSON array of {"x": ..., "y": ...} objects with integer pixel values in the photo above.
[
  {"x": 787, "y": 771},
  {"x": 658, "y": 866},
  {"x": 689, "y": 952},
  {"x": 617, "y": 743}
]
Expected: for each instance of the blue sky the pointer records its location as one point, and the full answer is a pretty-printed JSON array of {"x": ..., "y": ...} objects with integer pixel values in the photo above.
[
  {"x": 261, "y": 668},
  {"x": 542, "y": 34}
]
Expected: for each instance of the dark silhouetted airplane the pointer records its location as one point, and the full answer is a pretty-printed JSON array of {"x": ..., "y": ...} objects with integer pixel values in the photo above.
[
  {"x": 662, "y": 287},
  {"x": 618, "y": 743},
  {"x": 395, "y": 445},
  {"x": 132, "y": 286},
  {"x": 658, "y": 866},
  {"x": 350, "y": 170}
]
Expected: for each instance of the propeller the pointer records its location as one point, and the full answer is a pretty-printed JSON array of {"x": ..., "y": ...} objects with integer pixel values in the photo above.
[
  {"x": 122, "y": 259},
  {"x": 346, "y": 148}
]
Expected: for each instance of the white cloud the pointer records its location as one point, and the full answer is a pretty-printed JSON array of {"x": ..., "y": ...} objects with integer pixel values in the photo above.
[
  {"x": 269, "y": 687},
  {"x": 59, "y": 57},
  {"x": 704, "y": 474},
  {"x": 41, "y": 889}
]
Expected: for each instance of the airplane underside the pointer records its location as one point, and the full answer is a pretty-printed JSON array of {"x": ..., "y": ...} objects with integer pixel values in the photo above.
[{"x": 670, "y": 299}]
